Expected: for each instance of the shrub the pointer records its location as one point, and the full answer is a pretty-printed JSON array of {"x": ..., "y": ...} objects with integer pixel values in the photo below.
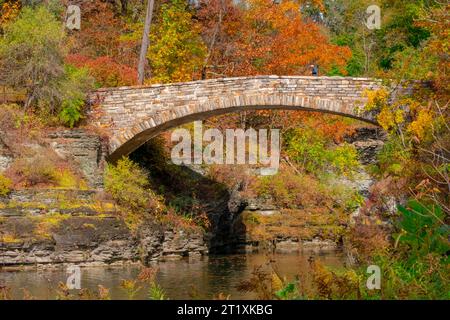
[
  {"x": 190, "y": 209},
  {"x": 34, "y": 171},
  {"x": 344, "y": 159},
  {"x": 8, "y": 238},
  {"x": 73, "y": 89},
  {"x": 292, "y": 191},
  {"x": 394, "y": 158},
  {"x": 18, "y": 127},
  {"x": 307, "y": 148},
  {"x": 232, "y": 176},
  {"x": 187, "y": 223},
  {"x": 314, "y": 153},
  {"x": 368, "y": 239},
  {"x": 71, "y": 111},
  {"x": 66, "y": 179},
  {"x": 415, "y": 266},
  {"x": 128, "y": 184},
  {"x": 9, "y": 10},
  {"x": 44, "y": 168},
  {"x": 5, "y": 185},
  {"x": 423, "y": 229}
]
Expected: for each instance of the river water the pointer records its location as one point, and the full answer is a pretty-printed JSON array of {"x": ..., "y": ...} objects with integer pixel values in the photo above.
[{"x": 200, "y": 278}]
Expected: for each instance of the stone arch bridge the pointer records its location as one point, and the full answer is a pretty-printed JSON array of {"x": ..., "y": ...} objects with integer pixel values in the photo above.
[{"x": 133, "y": 115}]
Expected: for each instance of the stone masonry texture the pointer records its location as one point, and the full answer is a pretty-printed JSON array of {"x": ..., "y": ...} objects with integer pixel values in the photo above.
[{"x": 133, "y": 115}]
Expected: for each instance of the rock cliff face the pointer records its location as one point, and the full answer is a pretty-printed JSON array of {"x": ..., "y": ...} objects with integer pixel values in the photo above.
[
  {"x": 85, "y": 148},
  {"x": 81, "y": 226},
  {"x": 84, "y": 227},
  {"x": 38, "y": 228},
  {"x": 259, "y": 223},
  {"x": 368, "y": 141},
  {"x": 222, "y": 236}
]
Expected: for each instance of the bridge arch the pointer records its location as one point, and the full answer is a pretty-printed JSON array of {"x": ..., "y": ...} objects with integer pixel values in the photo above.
[{"x": 134, "y": 115}]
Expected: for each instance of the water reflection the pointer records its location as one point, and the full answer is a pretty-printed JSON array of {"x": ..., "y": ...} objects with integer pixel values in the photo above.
[{"x": 201, "y": 278}]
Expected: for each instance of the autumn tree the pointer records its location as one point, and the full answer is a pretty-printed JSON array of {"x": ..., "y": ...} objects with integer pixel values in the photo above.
[
  {"x": 269, "y": 38},
  {"x": 100, "y": 31},
  {"x": 265, "y": 37},
  {"x": 105, "y": 70},
  {"x": 376, "y": 51},
  {"x": 220, "y": 21},
  {"x": 417, "y": 151},
  {"x": 32, "y": 55},
  {"x": 102, "y": 45},
  {"x": 176, "y": 50},
  {"x": 276, "y": 39}
]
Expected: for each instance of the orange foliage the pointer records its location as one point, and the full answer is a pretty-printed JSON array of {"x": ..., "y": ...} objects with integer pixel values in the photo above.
[
  {"x": 9, "y": 11},
  {"x": 221, "y": 22},
  {"x": 267, "y": 38},
  {"x": 101, "y": 34},
  {"x": 331, "y": 127},
  {"x": 276, "y": 40},
  {"x": 105, "y": 70}
]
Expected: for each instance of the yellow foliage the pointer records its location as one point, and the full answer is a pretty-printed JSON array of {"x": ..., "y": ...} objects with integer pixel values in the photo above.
[
  {"x": 376, "y": 99},
  {"x": 8, "y": 238},
  {"x": 5, "y": 185},
  {"x": 389, "y": 118},
  {"x": 390, "y": 115},
  {"x": 331, "y": 284},
  {"x": 423, "y": 122},
  {"x": 399, "y": 116},
  {"x": 277, "y": 283},
  {"x": 176, "y": 51},
  {"x": 47, "y": 222},
  {"x": 67, "y": 180}
]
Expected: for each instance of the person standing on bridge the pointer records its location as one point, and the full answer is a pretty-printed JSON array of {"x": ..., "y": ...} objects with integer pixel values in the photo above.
[{"x": 315, "y": 70}]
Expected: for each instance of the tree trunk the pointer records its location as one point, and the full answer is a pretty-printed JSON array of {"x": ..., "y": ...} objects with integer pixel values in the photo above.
[
  {"x": 124, "y": 6},
  {"x": 145, "y": 41},
  {"x": 213, "y": 41}
]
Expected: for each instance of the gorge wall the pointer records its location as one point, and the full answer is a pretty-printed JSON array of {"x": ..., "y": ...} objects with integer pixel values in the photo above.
[
  {"x": 86, "y": 227},
  {"x": 72, "y": 226}
]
